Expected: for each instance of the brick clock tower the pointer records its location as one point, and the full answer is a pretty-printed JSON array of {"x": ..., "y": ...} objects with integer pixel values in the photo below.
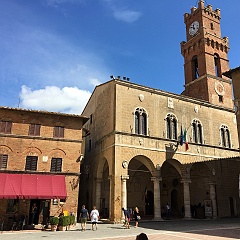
[{"x": 205, "y": 57}]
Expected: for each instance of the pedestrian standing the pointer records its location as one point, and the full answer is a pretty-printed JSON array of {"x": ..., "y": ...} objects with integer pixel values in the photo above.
[
  {"x": 167, "y": 210},
  {"x": 83, "y": 217},
  {"x": 137, "y": 216},
  {"x": 33, "y": 213},
  {"x": 94, "y": 215}
]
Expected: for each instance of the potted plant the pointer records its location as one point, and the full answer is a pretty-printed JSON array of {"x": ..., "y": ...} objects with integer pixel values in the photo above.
[
  {"x": 54, "y": 221},
  {"x": 64, "y": 221}
]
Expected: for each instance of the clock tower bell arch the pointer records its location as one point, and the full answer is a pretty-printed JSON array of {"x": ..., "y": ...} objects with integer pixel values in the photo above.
[{"x": 205, "y": 57}]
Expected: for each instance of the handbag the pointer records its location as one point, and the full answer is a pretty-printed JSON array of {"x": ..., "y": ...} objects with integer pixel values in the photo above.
[{"x": 138, "y": 217}]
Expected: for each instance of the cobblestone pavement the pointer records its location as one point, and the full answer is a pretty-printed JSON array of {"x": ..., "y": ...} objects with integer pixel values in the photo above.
[{"x": 173, "y": 229}]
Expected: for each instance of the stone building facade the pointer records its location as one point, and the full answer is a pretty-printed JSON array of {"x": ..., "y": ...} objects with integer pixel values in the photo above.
[
  {"x": 40, "y": 155},
  {"x": 235, "y": 75},
  {"x": 146, "y": 147}
]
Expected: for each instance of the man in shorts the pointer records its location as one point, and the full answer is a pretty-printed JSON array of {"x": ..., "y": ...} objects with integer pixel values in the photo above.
[
  {"x": 83, "y": 217},
  {"x": 127, "y": 218}
]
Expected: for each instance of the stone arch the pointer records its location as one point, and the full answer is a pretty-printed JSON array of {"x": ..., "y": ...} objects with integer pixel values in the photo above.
[
  {"x": 148, "y": 158},
  {"x": 171, "y": 187},
  {"x": 101, "y": 190},
  {"x": 5, "y": 149},
  {"x": 58, "y": 153},
  {"x": 140, "y": 189},
  {"x": 200, "y": 176},
  {"x": 32, "y": 151},
  {"x": 101, "y": 165}
]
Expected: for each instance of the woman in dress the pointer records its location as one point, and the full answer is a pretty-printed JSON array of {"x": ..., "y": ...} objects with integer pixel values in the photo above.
[
  {"x": 94, "y": 215},
  {"x": 136, "y": 215}
]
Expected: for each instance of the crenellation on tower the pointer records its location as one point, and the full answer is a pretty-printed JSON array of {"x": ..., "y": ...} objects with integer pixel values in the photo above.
[
  {"x": 213, "y": 13},
  {"x": 201, "y": 4},
  {"x": 205, "y": 56},
  {"x": 193, "y": 9}
]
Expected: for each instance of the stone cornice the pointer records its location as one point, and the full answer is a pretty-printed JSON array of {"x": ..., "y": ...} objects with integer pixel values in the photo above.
[{"x": 39, "y": 138}]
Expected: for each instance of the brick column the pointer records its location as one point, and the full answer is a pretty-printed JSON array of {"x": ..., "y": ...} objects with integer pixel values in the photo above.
[
  {"x": 98, "y": 192},
  {"x": 157, "y": 198},
  {"x": 213, "y": 199},
  {"x": 186, "y": 196},
  {"x": 124, "y": 193}
]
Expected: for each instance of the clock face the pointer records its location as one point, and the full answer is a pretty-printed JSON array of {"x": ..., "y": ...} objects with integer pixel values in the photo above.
[
  {"x": 219, "y": 88},
  {"x": 193, "y": 28}
]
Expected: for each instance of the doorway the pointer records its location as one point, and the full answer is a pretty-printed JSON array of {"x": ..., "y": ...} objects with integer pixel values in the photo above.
[
  {"x": 149, "y": 203},
  {"x": 34, "y": 211}
]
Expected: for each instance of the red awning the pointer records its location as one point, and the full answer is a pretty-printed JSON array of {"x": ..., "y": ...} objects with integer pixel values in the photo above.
[{"x": 32, "y": 186}]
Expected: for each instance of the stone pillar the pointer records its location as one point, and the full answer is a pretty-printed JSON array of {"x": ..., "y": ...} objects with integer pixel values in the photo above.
[
  {"x": 111, "y": 208},
  {"x": 186, "y": 196},
  {"x": 98, "y": 192},
  {"x": 157, "y": 198},
  {"x": 124, "y": 192},
  {"x": 213, "y": 199}
]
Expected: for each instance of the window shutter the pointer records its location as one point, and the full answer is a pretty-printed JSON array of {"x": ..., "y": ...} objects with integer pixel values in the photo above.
[
  {"x": 8, "y": 127},
  {"x": 2, "y": 127},
  {"x": 5, "y": 127},
  {"x": 37, "y": 129},
  {"x": 3, "y": 161},
  {"x": 34, "y": 129},
  {"x": 56, "y": 165},
  {"x": 58, "y": 132},
  {"x": 59, "y": 165},
  {"x": 31, "y": 163},
  {"x": 61, "y": 132},
  {"x": 31, "y": 129}
]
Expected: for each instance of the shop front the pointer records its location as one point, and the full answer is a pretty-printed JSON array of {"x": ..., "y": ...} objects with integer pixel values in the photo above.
[{"x": 26, "y": 199}]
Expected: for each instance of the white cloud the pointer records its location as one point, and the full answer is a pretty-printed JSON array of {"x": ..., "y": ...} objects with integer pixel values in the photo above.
[
  {"x": 52, "y": 98},
  {"x": 127, "y": 15},
  {"x": 95, "y": 81},
  {"x": 122, "y": 13}
]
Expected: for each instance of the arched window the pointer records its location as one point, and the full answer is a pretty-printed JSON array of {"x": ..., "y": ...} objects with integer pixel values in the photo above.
[
  {"x": 197, "y": 131},
  {"x": 225, "y": 136},
  {"x": 195, "y": 68},
  {"x": 217, "y": 65},
  {"x": 140, "y": 121},
  {"x": 171, "y": 127}
]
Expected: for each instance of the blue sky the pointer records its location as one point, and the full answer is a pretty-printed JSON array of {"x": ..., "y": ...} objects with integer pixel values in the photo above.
[{"x": 54, "y": 52}]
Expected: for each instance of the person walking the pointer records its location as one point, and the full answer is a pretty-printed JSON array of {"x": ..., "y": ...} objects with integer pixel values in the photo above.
[
  {"x": 136, "y": 215},
  {"x": 94, "y": 215},
  {"x": 83, "y": 217},
  {"x": 127, "y": 217}
]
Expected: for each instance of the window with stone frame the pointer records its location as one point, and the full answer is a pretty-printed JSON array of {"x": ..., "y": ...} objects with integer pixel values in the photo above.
[
  {"x": 58, "y": 132},
  {"x": 195, "y": 70},
  {"x": 140, "y": 121},
  {"x": 171, "y": 123},
  {"x": 31, "y": 163},
  {"x": 34, "y": 129},
  {"x": 197, "y": 131},
  {"x": 5, "y": 126},
  {"x": 225, "y": 136},
  {"x": 56, "y": 165},
  {"x": 3, "y": 161}
]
